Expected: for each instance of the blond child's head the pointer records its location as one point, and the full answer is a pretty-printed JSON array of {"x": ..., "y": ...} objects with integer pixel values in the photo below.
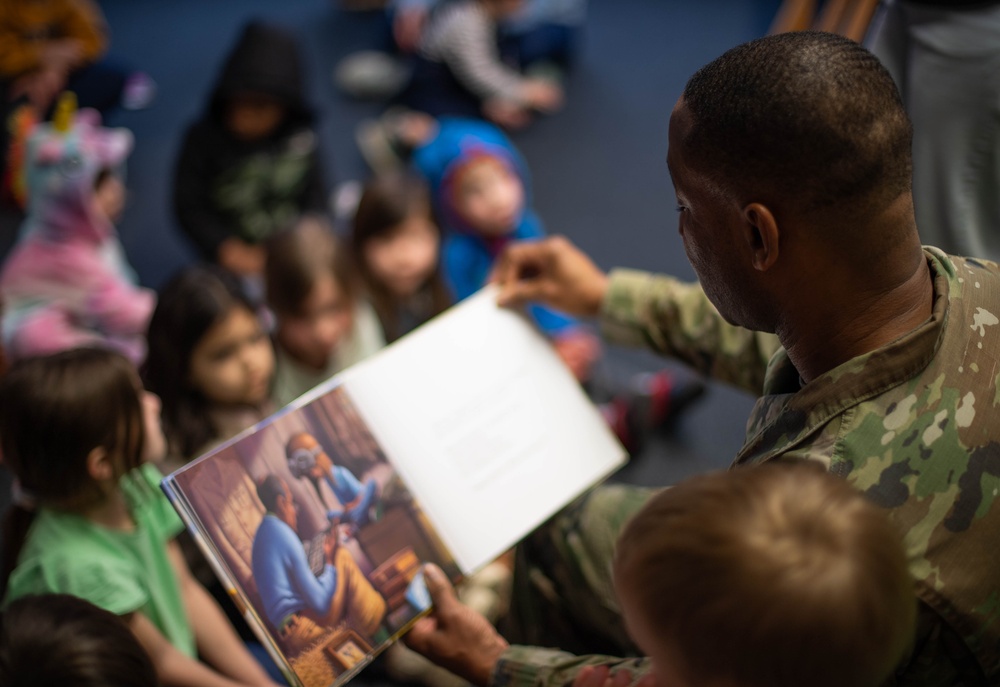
[{"x": 779, "y": 575}]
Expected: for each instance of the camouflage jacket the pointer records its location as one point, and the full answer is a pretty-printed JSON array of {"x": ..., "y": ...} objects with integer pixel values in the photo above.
[{"x": 913, "y": 424}]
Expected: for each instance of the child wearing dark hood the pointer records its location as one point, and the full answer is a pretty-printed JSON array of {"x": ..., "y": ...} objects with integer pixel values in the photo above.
[{"x": 251, "y": 164}]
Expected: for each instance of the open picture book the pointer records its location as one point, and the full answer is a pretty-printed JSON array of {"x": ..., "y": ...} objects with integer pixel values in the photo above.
[{"x": 447, "y": 447}]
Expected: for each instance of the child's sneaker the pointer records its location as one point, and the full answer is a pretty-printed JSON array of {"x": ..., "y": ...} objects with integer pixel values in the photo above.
[
  {"x": 653, "y": 400},
  {"x": 620, "y": 418},
  {"x": 371, "y": 75},
  {"x": 657, "y": 398}
]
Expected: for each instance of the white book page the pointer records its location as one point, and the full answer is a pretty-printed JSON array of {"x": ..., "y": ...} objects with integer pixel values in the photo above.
[{"x": 485, "y": 424}]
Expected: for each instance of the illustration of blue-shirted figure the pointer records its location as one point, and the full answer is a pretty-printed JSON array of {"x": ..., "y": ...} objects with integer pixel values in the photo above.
[
  {"x": 306, "y": 458},
  {"x": 296, "y": 600}
]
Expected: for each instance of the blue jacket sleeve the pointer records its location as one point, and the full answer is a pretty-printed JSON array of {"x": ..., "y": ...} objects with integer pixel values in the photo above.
[
  {"x": 316, "y": 592},
  {"x": 466, "y": 265}
]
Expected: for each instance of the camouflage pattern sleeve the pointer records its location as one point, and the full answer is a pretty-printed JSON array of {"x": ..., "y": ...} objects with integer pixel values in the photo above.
[
  {"x": 532, "y": 666},
  {"x": 674, "y": 318}
]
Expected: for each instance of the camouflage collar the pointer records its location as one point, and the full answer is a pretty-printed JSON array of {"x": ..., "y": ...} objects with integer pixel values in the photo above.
[{"x": 788, "y": 413}]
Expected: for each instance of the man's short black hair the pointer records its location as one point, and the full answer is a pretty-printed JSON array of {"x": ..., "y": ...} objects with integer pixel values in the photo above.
[
  {"x": 808, "y": 117},
  {"x": 268, "y": 491}
]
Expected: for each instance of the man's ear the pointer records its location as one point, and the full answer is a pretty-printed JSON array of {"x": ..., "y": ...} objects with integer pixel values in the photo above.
[
  {"x": 99, "y": 465},
  {"x": 762, "y": 235}
]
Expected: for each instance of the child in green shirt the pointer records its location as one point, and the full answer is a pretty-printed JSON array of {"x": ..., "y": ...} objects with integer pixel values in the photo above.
[{"x": 77, "y": 431}]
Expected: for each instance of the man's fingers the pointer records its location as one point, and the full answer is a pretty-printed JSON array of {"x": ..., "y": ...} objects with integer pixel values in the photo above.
[
  {"x": 439, "y": 586},
  {"x": 420, "y": 636},
  {"x": 591, "y": 676},
  {"x": 520, "y": 273},
  {"x": 622, "y": 678},
  {"x": 518, "y": 293},
  {"x": 647, "y": 680}
]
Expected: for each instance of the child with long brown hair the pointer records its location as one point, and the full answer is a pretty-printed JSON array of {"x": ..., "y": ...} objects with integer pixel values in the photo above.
[
  {"x": 210, "y": 361},
  {"x": 397, "y": 244},
  {"x": 77, "y": 430},
  {"x": 323, "y": 322}
]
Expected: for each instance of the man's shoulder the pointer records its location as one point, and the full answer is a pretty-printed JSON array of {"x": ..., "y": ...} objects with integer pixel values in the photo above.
[{"x": 271, "y": 529}]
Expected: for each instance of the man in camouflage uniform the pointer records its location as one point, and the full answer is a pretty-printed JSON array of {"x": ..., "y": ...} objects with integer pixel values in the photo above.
[{"x": 790, "y": 157}]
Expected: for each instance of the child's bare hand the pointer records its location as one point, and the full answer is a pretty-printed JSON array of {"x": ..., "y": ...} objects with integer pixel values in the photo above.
[
  {"x": 506, "y": 113},
  {"x": 542, "y": 95},
  {"x": 241, "y": 258}
]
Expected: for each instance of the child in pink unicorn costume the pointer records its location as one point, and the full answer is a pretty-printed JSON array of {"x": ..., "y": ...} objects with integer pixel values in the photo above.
[{"x": 67, "y": 283}]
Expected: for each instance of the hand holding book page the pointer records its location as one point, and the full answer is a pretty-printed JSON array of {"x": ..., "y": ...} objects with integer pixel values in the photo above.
[
  {"x": 485, "y": 425},
  {"x": 447, "y": 447}
]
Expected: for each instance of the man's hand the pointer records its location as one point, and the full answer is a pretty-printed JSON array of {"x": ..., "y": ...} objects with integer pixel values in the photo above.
[
  {"x": 453, "y": 635},
  {"x": 553, "y": 272}
]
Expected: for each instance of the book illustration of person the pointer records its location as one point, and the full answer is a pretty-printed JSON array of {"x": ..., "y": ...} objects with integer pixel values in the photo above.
[
  {"x": 300, "y": 605},
  {"x": 307, "y": 458}
]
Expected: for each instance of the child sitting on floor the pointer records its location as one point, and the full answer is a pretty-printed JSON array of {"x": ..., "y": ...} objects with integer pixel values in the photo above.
[
  {"x": 481, "y": 192},
  {"x": 776, "y": 575},
  {"x": 251, "y": 164},
  {"x": 78, "y": 432},
  {"x": 459, "y": 70},
  {"x": 210, "y": 361},
  {"x": 66, "y": 283},
  {"x": 323, "y": 323},
  {"x": 480, "y": 188},
  {"x": 779, "y": 575},
  {"x": 396, "y": 244}
]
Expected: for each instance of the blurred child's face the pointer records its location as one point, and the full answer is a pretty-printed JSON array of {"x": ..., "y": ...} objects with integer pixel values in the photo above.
[
  {"x": 405, "y": 257},
  {"x": 254, "y": 117},
  {"x": 233, "y": 362},
  {"x": 312, "y": 336},
  {"x": 109, "y": 197},
  {"x": 489, "y": 196}
]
